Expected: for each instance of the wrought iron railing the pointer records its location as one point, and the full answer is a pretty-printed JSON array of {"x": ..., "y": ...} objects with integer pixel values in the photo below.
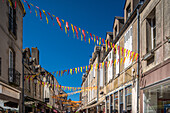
[{"x": 14, "y": 77}]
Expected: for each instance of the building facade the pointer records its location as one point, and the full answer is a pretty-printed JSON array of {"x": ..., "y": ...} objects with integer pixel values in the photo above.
[
  {"x": 11, "y": 30},
  {"x": 132, "y": 85},
  {"x": 155, "y": 57}
]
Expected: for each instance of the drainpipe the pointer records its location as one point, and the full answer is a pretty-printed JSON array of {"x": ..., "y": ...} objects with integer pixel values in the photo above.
[
  {"x": 22, "y": 95},
  {"x": 138, "y": 51},
  {"x": 98, "y": 56}
]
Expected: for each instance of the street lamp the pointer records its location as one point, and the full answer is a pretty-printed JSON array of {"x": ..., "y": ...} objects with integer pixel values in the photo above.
[{"x": 35, "y": 80}]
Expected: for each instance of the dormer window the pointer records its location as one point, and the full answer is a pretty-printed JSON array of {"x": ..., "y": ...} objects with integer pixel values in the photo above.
[
  {"x": 116, "y": 31},
  {"x": 128, "y": 11}
]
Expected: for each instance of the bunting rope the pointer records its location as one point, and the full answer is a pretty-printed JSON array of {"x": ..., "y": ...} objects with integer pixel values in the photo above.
[
  {"x": 59, "y": 86},
  {"x": 79, "y": 32}
]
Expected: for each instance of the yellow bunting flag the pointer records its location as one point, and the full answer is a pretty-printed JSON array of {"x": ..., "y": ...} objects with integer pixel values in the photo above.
[
  {"x": 81, "y": 69},
  {"x": 76, "y": 70},
  {"x": 102, "y": 64},
  {"x": 10, "y": 3},
  {"x": 111, "y": 45},
  {"x": 81, "y": 37},
  {"x": 106, "y": 44},
  {"x": 86, "y": 68},
  {"x": 94, "y": 38},
  {"x": 99, "y": 41},
  {"x": 121, "y": 61},
  {"x": 121, "y": 50},
  {"x": 45, "y": 16},
  {"x": 89, "y": 40},
  {"x": 114, "y": 62},
  {"x": 71, "y": 71}
]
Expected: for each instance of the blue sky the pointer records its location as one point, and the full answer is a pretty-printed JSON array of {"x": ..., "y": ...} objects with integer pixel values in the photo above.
[{"x": 57, "y": 50}]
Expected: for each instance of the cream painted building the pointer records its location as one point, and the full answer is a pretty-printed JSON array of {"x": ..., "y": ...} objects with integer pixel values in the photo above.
[{"x": 11, "y": 32}]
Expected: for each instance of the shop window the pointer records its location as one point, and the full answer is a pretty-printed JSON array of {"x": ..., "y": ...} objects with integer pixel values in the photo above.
[
  {"x": 128, "y": 99},
  {"x": 157, "y": 99},
  {"x": 116, "y": 101},
  {"x": 121, "y": 100}
]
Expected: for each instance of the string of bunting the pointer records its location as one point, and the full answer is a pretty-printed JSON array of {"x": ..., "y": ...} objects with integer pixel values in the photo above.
[
  {"x": 59, "y": 86},
  {"x": 132, "y": 56},
  {"x": 77, "y": 31}
]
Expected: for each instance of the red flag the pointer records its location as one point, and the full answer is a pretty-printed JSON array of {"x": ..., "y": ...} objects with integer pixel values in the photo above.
[
  {"x": 103, "y": 41},
  {"x": 83, "y": 68},
  {"x": 118, "y": 49},
  {"x": 68, "y": 71},
  {"x": 75, "y": 27},
  {"x": 28, "y": 5},
  {"x": 97, "y": 40},
  {"x": 15, "y": 4},
  {"x": 106, "y": 64},
  {"x": 91, "y": 36},
  {"x": 59, "y": 23},
  {"x": 40, "y": 12},
  {"x": 83, "y": 32},
  {"x": 122, "y": 51},
  {"x": 50, "y": 15},
  {"x": 113, "y": 45},
  {"x": 109, "y": 44},
  {"x": 117, "y": 61},
  {"x": 67, "y": 26},
  {"x": 126, "y": 52},
  {"x": 73, "y": 70}
]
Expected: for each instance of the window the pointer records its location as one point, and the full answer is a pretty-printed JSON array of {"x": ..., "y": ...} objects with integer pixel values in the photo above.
[
  {"x": 40, "y": 90},
  {"x": 110, "y": 68},
  {"x": 35, "y": 89},
  {"x": 121, "y": 100},
  {"x": 116, "y": 101},
  {"x": 128, "y": 45},
  {"x": 101, "y": 76},
  {"x": 128, "y": 11},
  {"x": 0, "y": 66},
  {"x": 111, "y": 103},
  {"x": 12, "y": 19},
  {"x": 117, "y": 59},
  {"x": 11, "y": 65},
  {"x": 151, "y": 31},
  {"x": 128, "y": 99},
  {"x": 116, "y": 31}
]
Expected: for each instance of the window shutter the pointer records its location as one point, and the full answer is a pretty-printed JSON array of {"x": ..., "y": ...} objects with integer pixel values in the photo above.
[
  {"x": 101, "y": 76},
  {"x": 117, "y": 63},
  {"x": 148, "y": 35},
  {"x": 94, "y": 71}
]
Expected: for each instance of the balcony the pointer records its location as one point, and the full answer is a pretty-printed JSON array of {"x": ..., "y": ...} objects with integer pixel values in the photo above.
[{"x": 14, "y": 77}]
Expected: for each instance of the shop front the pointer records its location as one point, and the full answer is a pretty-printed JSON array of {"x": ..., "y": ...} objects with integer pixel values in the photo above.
[{"x": 157, "y": 98}]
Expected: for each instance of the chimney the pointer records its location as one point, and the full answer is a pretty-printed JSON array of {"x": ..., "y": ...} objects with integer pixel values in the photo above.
[{"x": 35, "y": 54}]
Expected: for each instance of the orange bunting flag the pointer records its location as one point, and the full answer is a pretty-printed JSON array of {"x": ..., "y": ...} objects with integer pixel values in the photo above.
[
  {"x": 83, "y": 32},
  {"x": 103, "y": 41},
  {"x": 59, "y": 23}
]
